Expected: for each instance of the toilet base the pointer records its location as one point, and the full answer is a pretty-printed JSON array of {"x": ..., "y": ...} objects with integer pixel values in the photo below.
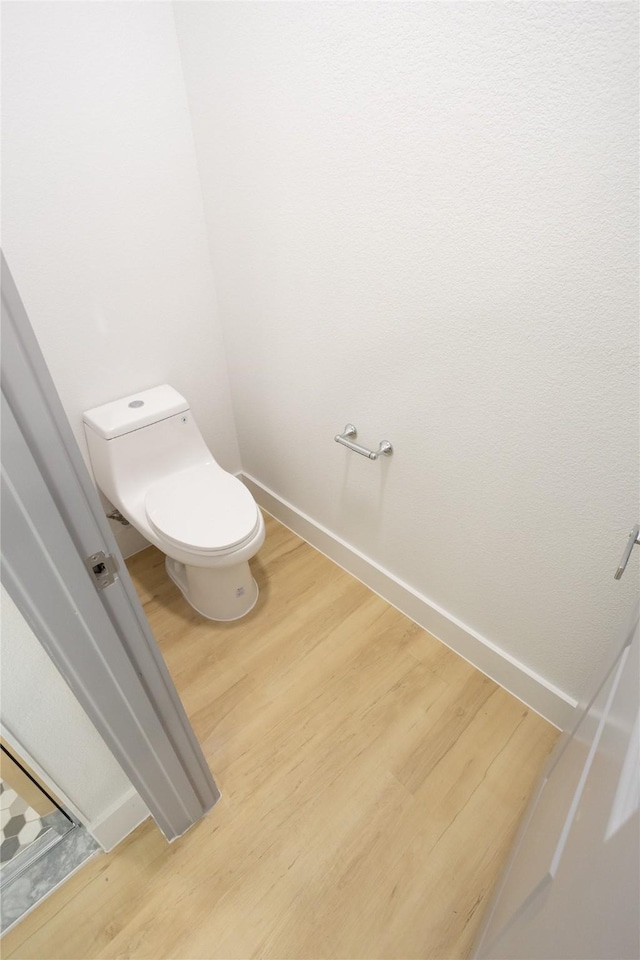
[{"x": 217, "y": 593}]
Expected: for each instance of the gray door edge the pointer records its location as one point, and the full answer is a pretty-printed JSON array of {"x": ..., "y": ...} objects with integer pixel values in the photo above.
[{"x": 172, "y": 775}]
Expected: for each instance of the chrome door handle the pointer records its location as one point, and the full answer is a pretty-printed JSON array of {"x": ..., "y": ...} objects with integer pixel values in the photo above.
[{"x": 634, "y": 537}]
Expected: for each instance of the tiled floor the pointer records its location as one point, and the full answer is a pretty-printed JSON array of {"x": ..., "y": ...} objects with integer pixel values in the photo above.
[
  {"x": 20, "y": 823},
  {"x": 66, "y": 853},
  {"x": 38, "y": 853}
]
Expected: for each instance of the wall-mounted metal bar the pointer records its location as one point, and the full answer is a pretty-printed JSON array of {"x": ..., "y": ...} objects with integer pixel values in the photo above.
[
  {"x": 348, "y": 436},
  {"x": 634, "y": 537}
]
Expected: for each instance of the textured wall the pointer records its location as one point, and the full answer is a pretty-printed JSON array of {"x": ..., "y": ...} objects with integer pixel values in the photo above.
[
  {"x": 103, "y": 226},
  {"x": 422, "y": 219},
  {"x": 46, "y": 719}
]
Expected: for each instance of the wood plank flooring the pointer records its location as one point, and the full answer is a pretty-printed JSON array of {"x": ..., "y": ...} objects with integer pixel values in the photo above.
[{"x": 371, "y": 785}]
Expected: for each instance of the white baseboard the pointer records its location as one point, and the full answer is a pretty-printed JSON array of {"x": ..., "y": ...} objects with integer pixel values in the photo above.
[
  {"x": 536, "y": 692},
  {"x": 118, "y": 822}
]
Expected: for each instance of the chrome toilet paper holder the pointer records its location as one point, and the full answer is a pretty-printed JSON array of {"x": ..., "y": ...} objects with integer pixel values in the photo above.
[{"x": 347, "y": 437}]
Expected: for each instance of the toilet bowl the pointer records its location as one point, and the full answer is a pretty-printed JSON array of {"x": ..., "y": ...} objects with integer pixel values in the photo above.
[{"x": 150, "y": 460}]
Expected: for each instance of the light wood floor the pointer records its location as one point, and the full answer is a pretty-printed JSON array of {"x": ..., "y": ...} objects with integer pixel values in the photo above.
[{"x": 371, "y": 784}]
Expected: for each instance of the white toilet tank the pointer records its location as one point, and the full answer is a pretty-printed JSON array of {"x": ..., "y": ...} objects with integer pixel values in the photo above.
[{"x": 140, "y": 439}]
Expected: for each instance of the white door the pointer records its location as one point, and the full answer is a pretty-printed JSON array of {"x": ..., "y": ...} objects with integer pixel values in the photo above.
[{"x": 572, "y": 887}]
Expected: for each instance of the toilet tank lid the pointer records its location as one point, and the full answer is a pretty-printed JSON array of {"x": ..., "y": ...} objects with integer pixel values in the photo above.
[{"x": 131, "y": 413}]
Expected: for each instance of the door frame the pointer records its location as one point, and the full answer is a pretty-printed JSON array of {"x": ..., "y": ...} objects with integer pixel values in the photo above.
[{"x": 99, "y": 639}]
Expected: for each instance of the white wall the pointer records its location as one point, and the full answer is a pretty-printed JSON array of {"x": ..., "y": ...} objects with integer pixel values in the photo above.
[
  {"x": 422, "y": 219},
  {"x": 103, "y": 226},
  {"x": 43, "y": 716}
]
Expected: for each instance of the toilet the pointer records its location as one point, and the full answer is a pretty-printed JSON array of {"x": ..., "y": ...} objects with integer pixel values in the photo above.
[{"x": 150, "y": 460}]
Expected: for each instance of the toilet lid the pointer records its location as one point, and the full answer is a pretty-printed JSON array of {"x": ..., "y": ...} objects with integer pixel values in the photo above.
[{"x": 202, "y": 508}]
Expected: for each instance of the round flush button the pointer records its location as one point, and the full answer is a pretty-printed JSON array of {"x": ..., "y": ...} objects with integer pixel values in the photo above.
[{"x": 137, "y": 403}]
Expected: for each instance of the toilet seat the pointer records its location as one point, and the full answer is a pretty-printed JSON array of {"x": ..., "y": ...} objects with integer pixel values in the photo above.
[{"x": 203, "y": 509}]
